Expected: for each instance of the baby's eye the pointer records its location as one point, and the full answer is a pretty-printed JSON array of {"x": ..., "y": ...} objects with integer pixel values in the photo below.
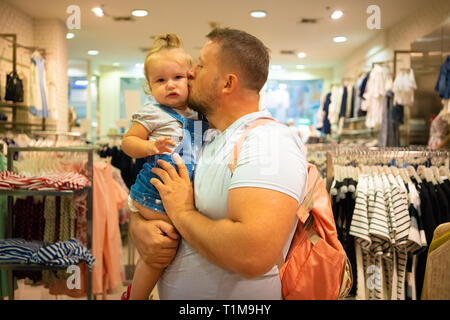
[
  {"x": 179, "y": 77},
  {"x": 160, "y": 80}
]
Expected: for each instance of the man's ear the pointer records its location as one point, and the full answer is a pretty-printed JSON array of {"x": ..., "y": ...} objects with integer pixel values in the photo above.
[{"x": 231, "y": 83}]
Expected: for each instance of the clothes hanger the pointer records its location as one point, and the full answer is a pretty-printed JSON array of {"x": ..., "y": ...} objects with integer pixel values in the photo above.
[
  {"x": 404, "y": 174},
  {"x": 421, "y": 173},
  {"x": 443, "y": 171},
  {"x": 431, "y": 176},
  {"x": 413, "y": 173},
  {"x": 436, "y": 174}
]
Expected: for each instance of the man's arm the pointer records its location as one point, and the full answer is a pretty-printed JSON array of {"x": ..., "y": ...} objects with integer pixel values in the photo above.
[{"x": 248, "y": 241}]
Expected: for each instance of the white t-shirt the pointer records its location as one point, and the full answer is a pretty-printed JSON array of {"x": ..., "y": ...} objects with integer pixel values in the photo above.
[{"x": 271, "y": 157}]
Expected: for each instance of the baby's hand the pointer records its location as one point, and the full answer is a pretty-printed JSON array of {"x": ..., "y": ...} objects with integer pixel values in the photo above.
[{"x": 161, "y": 145}]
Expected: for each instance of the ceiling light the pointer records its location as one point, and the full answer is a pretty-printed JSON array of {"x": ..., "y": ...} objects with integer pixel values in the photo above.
[
  {"x": 301, "y": 55},
  {"x": 92, "y": 52},
  {"x": 300, "y": 66},
  {"x": 139, "y": 13},
  {"x": 98, "y": 11},
  {"x": 258, "y": 14},
  {"x": 340, "y": 39},
  {"x": 337, "y": 14},
  {"x": 116, "y": 64},
  {"x": 276, "y": 67},
  {"x": 70, "y": 35}
]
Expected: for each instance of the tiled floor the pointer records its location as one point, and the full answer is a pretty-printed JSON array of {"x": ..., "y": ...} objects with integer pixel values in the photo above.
[{"x": 28, "y": 292}]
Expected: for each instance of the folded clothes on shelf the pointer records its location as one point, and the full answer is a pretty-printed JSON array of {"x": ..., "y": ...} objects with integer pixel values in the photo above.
[
  {"x": 63, "y": 253},
  {"x": 59, "y": 181}
]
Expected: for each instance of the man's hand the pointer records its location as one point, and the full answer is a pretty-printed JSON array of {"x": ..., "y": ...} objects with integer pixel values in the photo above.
[
  {"x": 176, "y": 189},
  {"x": 155, "y": 240}
]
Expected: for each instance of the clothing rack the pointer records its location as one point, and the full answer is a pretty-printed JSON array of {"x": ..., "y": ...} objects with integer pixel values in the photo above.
[
  {"x": 9, "y": 217},
  {"x": 57, "y": 134},
  {"x": 12, "y": 38},
  {"x": 376, "y": 155},
  {"x": 407, "y": 118}
]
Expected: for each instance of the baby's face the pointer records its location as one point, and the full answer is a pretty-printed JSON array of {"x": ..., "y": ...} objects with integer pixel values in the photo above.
[{"x": 168, "y": 79}]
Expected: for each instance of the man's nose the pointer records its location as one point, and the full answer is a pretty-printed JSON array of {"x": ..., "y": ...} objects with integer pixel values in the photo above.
[{"x": 191, "y": 74}]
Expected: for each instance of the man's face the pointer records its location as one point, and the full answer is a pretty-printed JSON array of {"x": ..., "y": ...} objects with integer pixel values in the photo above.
[{"x": 203, "y": 81}]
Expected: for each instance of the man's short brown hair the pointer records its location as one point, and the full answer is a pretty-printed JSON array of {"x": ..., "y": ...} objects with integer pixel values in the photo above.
[{"x": 244, "y": 52}]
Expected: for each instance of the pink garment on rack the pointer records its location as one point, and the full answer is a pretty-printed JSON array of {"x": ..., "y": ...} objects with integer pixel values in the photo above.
[
  {"x": 109, "y": 198},
  {"x": 54, "y": 181}
]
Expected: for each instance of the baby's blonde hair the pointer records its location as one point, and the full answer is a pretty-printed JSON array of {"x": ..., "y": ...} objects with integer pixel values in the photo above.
[{"x": 163, "y": 42}]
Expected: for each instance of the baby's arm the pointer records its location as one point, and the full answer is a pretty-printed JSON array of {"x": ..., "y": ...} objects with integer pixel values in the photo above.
[{"x": 136, "y": 145}]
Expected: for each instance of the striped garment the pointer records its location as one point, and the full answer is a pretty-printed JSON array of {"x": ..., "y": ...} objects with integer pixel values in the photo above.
[
  {"x": 384, "y": 233},
  {"x": 63, "y": 253},
  {"x": 60, "y": 181}
]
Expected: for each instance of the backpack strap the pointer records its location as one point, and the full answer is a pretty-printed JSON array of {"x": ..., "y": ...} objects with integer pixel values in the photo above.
[
  {"x": 238, "y": 145},
  {"x": 303, "y": 212}
]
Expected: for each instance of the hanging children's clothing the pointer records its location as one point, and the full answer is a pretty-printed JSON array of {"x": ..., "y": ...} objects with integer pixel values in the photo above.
[
  {"x": 14, "y": 88},
  {"x": 323, "y": 124},
  {"x": 38, "y": 87},
  {"x": 404, "y": 86},
  {"x": 443, "y": 81},
  {"x": 374, "y": 97}
]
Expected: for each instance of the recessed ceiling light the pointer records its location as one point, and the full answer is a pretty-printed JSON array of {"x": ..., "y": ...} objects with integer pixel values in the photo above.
[
  {"x": 301, "y": 55},
  {"x": 337, "y": 14},
  {"x": 340, "y": 39},
  {"x": 98, "y": 11},
  {"x": 276, "y": 67},
  {"x": 70, "y": 35},
  {"x": 258, "y": 14},
  {"x": 92, "y": 52},
  {"x": 300, "y": 66},
  {"x": 139, "y": 13},
  {"x": 116, "y": 64}
]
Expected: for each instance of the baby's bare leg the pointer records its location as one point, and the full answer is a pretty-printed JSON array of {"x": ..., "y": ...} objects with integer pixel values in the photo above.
[
  {"x": 150, "y": 214},
  {"x": 145, "y": 276}
]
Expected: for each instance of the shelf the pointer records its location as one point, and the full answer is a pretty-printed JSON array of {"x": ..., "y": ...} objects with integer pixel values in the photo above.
[
  {"x": 20, "y": 192},
  {"x": 20, "y": 124},
  {"x": 357, "y": 132},
  {"x": 13, "y": 105},
  {"x": 358, "y": 119},
  {"x": 54, "y": 149},
  {"x": 30, "y": 267}
]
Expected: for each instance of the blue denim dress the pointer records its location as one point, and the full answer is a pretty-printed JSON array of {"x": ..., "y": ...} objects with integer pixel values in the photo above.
[{"x": 142, "y": 191}]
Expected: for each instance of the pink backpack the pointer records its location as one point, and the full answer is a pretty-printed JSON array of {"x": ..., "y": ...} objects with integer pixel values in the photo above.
[{"x": 316, "y": 266}]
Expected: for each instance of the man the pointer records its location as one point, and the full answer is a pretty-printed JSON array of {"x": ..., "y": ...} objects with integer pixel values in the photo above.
[{"x": 242, "y": 222}]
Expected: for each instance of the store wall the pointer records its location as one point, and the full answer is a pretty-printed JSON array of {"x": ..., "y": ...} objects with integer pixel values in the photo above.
[
  {"x": 15, "y": 21},
  {"x": 109, "y": 98},
  {"x": 51, "y": 35},
  {"x": 326, "y": 74},
  {"x": 46, "y": 34},
  {"x": 399, "y": 37}
]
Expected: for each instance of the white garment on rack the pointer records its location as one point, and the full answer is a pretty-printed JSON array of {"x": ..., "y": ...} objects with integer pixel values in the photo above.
[
  {"x": 38, "y": 87},
  {"x": 335, "y": 104},
  {"x": 321, "y": 113},
  {"x": 374, "y": 97},
  {"x": 403, "y": 88}
]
